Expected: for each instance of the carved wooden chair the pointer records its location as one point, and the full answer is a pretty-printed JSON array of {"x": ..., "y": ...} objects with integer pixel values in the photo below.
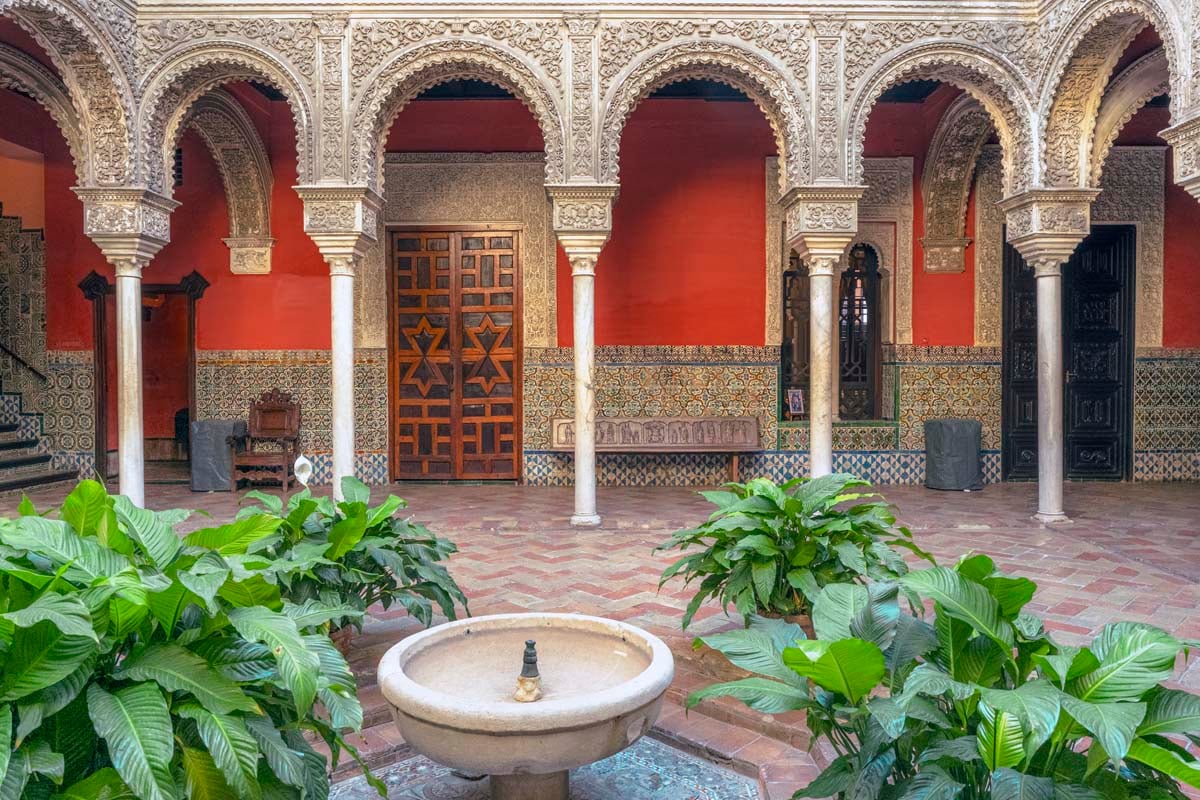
[{"x": 269, "y": 450}]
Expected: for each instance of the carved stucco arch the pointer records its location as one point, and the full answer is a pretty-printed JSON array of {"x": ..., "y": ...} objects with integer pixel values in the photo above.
[
  {"x": 401, "y": 78},
  {"x": 245, "y": 169},
  {"x": 717, "y": 60},
  {"x": 946, "y": 183},
  {"x": 1138, "y": 84},
  {"x": 19, "y": 71},
  {"x": 992, "y": 81},
  {"x": 94, "y": 74},
  {"x": 185, "y": 75}
]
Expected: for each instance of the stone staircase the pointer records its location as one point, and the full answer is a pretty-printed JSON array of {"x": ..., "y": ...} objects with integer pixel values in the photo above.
[{"x": 25, "y": 460}]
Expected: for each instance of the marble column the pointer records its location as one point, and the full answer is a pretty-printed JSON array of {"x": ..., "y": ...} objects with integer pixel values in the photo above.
[
  {"x": 341, "y": 295},
  {"x": 130, "y": 428},
  {"x": 582, "y": 217},
  {"x": 1048, "y": 274},
  {"x": 129, "y": 226},
  {"x": 583, "y": 280},
  {"x": 820, "y": 364}
]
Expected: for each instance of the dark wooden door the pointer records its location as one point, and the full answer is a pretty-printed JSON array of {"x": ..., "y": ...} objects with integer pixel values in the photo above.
[
  {"x": 455, "y": 355},
  {"x": 1098, "y": 286}
]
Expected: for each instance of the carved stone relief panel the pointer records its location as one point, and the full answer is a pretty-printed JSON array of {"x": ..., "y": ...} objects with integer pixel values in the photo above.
[
  {"x": 331, "y": 30},
  {"x": 581, "y": 31},
  {"x": 946, "y": 183},
  {"x": 989, "y": 247},
  {"x": 777, "y": 258},
  {"x": 456, "y": 188},
  {"x": 885, "y": 215}
]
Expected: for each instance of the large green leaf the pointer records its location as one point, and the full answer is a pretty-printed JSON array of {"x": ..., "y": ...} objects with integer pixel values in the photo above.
[
  {"x": 1008, "y": 784},
  {"x": 964, "y": 600},
  {"x": 1035, "y": 704},
  {"x": 761, "y": 694},
  {"x": 298, "y": 665},
  {"x": 835, "y": 779},
  {"x": 313, "y": 612},
  {"x": 868, "y": 782},
  {"x": 1000, "y": 738},
  {"x": 6, "y": 732},
  {"x": 235, "y": 537},
  {"x": 149, "y": 530},
  {"x": 1113, "y": 724},
  {"x": 103, "y": 784},
  {"x": 286, "y": 763},
  {"x": 202, "y": 779},
  {"x": 836, "y": 607},
  {"x": 1171, "y": 711},
  {"x": 237, "y": 659},
  {"x": 70, "y": 733},
  {"x": 355, "y": 491},
  {"x": 346, "y": 533},
  {"x": 136, "y": 725},
  {"x": 232, "y": 748},
  {"x": 67, "y": 613},
  {"x": 40, "y": 656},
  {"x": 1165, "y": 761},
  {"x": 849, "y": 667},
  {"x": 877, "y": 622},
  {"x": 759, "y": 648},
  {"x": 1011, "y": 593},
  {"x": 177, "y": 669},
  {"x": 932, "y": 783},
  {"x": 55, "y": 540},
  {"x": 86, "y": 508},
  {"x": 914, "y": 638},
  {"x": 930, "y": 681},
  {"x": 1133, "y": 657}
]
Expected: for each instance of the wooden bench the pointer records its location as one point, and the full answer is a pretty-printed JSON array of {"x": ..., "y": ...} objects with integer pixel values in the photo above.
[{"x": 732, "y": 435}]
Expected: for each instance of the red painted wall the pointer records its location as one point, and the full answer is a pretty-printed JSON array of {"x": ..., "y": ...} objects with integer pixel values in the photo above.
[{"x": 465, "y": 126}]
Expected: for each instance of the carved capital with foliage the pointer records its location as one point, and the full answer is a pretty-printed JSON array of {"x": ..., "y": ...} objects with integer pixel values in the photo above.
[
  {"x": 582, "y": 218},
  {"x": 821, "y": 221},
  {"x": 1047, "y": 224},
  {"x": 342, "y": 220},
  {"x": 1184, "y": 139},
  {"x": 129, "y": 226}
]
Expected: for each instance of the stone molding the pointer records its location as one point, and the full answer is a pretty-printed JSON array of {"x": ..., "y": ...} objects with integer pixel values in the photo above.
[
  {"x": 946, "y": 183},
  {"x": 581, "y": 215},
  {"x": 343, "y": 221},
  {"x": 245, "y": 169},
  {"x": 885, "y": 215},
  {"x": 1138, "y": 84},
  {"x": 989, "y": 247}
]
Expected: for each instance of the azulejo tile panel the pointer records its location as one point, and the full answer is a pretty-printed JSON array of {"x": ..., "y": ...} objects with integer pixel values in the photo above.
[
  {"x": 846, "y": 436},
  {"x": 68, "y": 409},
  {"x": 930, "y": 391},
  {"x": 1166, "y": 402}
]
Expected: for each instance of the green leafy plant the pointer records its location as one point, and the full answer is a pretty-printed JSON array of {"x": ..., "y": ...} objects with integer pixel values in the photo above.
[
  {"x": 769, "y": 548},
  {"x": 138, "y": 663},
  {"x": 354, "y": 555},
  {"x": 982, "y": 703}
]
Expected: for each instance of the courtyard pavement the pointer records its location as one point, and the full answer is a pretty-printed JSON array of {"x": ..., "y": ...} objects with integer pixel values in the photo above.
[{"x": 1132, "y": 552}]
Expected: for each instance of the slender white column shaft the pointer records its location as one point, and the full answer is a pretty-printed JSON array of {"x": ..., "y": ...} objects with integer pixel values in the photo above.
[
  {"x": 341, "y": 272},
  {"x": 820, "y": 366},
  {"x": 130, "y": 436},
  {"x": 1050, "y": 391},
  {"x": 583, "y": 278}
]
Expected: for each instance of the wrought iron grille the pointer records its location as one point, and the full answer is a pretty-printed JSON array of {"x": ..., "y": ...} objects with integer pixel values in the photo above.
[
  {"x": 859, "y": 336},
  {"x": 794, "y": 351}
]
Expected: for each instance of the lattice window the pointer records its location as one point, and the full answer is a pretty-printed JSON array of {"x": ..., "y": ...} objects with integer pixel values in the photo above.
[
  {"x": 859, "y": 336},
  {"x": 794, "y": 351}
]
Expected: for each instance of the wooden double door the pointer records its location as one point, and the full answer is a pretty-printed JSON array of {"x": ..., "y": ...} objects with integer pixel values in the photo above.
[
  {"x": 1098, "y": 316},
  {"x": 455, "y": 354}
]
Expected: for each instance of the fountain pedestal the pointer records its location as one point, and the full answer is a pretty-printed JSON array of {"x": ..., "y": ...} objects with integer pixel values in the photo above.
[{"x": 554, "y": 786}]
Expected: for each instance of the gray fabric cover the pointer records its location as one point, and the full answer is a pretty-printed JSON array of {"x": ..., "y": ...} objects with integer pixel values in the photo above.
[
  {"x": 212, "y": 459},
  {"x": 952, "y": 459}
]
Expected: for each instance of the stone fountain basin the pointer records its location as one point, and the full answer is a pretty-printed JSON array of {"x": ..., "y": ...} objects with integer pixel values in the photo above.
[{"x": 450, "y": 689}]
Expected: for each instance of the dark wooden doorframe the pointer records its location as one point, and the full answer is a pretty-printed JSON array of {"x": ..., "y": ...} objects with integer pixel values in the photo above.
[
  {"x": 96, "y": 288},
  {"x": 1098, "y": 349},
  {"x": 519, "y": 231}
]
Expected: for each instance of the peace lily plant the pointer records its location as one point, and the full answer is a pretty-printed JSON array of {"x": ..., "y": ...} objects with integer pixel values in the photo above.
[
  {"x": 978, "y": 702},
  {"x": 769, "y": 548}
]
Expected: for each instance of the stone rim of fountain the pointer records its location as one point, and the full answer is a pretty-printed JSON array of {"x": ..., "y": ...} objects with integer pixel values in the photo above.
[{"x": 545, "y": 715}]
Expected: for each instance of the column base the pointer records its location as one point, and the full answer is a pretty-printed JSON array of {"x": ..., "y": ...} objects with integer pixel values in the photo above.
[
  {"x": 1057, "y": 518},
  {"x": 585, "y": 520},
  {"x": 554, "y": 786}
]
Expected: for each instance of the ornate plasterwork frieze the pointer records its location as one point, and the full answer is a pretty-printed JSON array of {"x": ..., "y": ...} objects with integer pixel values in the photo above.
[
  {"x": 581, "y": 31},
  {"x": 409, "y": 72},
  {"x": 1140, "y": 82},
  {"x": 827, "y": 100},
  {"x": 885, "y": 221},
  {"x": 1069, "y": 117},
  {"x": 245, "y": 169},
  {"x": 80, "y": 36},
  {"x": 22, "y": 73},
  {"x": 1184, "y": 139},
  {"x": 728, "y": 61},
  {"x": 187, "y": 73},
  {"x": 331, "y": 43},
  {"x": 293, "y": 40},
  {"x": 989, "y": 247},
  {"x": 946, "y": 183},
  {"x": 993, "y": 83},
  {"x": 777, "y": 258}
]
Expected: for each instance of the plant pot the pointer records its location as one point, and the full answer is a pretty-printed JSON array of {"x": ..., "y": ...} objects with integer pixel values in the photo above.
[
  {"x": 342, "y": 638},
  {"x": 803, "y": 620}
]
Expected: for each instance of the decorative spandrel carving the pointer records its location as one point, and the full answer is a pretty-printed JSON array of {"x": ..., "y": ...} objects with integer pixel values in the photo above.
[
  {"x": 1070, "y": 121},
  {"x": 581, "y": 31},
  {"x": 294, "y": 40},
  {"x": 721, "y": 61},
  {"x": 412, "y": 71}
]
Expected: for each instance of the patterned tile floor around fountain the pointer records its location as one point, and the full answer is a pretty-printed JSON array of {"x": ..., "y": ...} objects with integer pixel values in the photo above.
[
  {"x": 1133, "y": 552},
  {"x": 648, "y": 769}
]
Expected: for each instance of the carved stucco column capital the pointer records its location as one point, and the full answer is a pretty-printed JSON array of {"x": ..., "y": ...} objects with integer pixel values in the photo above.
[
  {"x": 343, "y": 221},
  {"x": 1184, "y": 139},
  {"x": 1046, "y": 225},
  {"x": 582, "y": 219},
  {"x": 129, "y": 225},
  {"x": 820, "y": 222}
]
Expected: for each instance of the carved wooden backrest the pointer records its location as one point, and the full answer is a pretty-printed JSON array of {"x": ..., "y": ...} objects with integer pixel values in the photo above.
[{"x": 275, "y": 415}]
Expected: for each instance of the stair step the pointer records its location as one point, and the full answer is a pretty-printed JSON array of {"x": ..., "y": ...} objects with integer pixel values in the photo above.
[
  {"x": 10, "y": 444},
  {"x": 9, "y": 427},
  {"x": 11, "y": 462},
  {"x": 32, "y": 479}
]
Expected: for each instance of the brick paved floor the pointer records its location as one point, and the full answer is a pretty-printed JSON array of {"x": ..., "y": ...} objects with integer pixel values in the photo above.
[{"x": 1132, "y": 552}]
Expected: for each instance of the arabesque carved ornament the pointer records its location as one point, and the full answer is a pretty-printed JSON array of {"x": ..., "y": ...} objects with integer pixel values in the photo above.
[{"x": 946, "y": 183}]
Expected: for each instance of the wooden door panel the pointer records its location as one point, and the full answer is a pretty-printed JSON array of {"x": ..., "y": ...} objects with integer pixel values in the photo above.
[
  {"x": 455, "y": 355},
  {"x": 1018, "y": 455}
]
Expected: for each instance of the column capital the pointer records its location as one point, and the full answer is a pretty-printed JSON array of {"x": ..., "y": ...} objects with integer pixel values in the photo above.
[
  {"x": 582, "y": 219},
  {"x": 342, "y": 220},
  {"x": 1184, "y": 139},
  {"x": 820, "y": 221},
  {"x": 1048, "y": 267},
  {"x": 129, "y": 225},
  {"x": 1047, "y": 224}
]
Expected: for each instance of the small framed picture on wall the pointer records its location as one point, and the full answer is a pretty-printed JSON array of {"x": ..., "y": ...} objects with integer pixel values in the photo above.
[{"x": 795, "y": 403}]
